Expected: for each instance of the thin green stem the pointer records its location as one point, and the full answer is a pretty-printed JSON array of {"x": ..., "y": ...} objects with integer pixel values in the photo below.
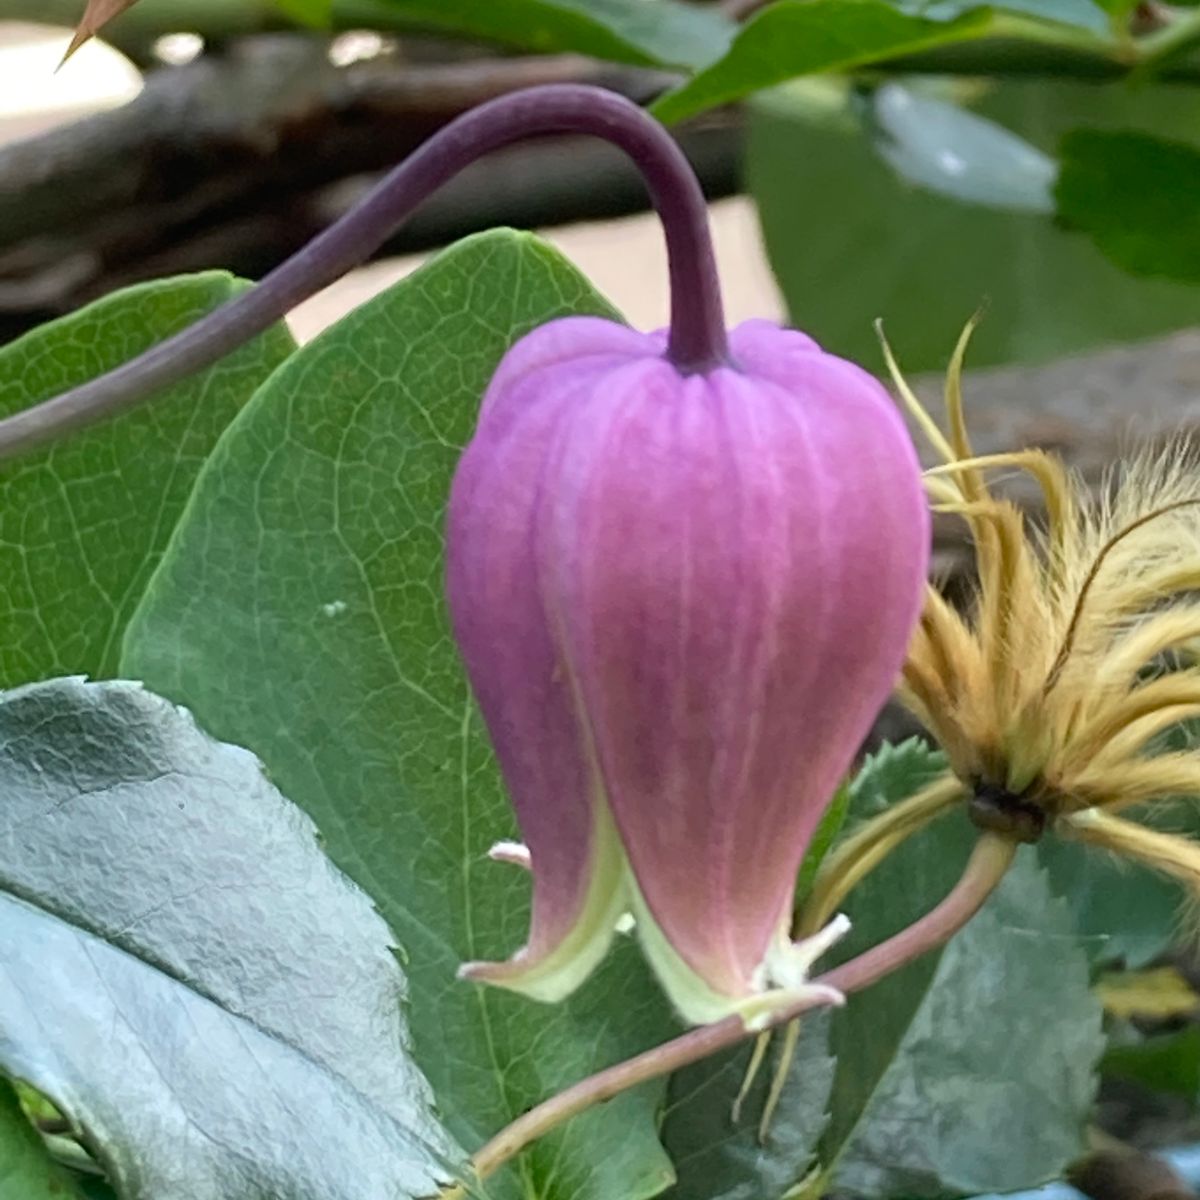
[
  {"x": 1170, "y": 43},
  {"x": 990, "y": 859}
]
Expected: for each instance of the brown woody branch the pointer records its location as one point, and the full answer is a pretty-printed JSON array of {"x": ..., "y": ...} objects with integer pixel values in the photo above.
[{"x": 236, "y": 160}]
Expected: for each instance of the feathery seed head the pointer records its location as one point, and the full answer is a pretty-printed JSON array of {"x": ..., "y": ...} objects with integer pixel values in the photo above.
[{"x": 1050, "y": 696}]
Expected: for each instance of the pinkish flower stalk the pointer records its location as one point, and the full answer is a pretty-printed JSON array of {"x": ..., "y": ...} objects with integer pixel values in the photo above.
[
  {"x": 682, "y": 569},
  {"x": 681, "y": 599}
]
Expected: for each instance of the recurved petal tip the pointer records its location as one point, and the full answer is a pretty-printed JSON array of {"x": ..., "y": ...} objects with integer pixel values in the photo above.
[{"x": 558, "y": 957}]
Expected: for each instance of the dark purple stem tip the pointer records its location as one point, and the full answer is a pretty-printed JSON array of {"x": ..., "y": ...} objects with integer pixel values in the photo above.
[{"x": 697, "y": 337}]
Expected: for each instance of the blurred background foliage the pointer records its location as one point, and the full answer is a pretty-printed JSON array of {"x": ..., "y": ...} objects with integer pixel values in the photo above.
[
  {"x": 906, "y": 160},
  {"x": 920, "y": 200}
]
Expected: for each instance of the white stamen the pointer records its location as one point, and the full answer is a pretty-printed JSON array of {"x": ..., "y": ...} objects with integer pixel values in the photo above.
[
  {"x": 515, "y": 853},
  {"x": 789, "y": 964}
]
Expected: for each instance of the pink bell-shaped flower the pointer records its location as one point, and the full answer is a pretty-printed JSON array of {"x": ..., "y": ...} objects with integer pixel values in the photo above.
[
  {"x": 683, "y": 569},
  {"x": 681, "y": 600}
]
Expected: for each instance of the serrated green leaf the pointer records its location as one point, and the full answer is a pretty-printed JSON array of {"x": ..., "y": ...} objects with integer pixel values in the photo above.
[
  {"x": 83, "y": 523},
  {"x": 806, "y": 37},
  {"x": 170, "y": 932},
  {"x": 27, "y": 1172},
  {"x": 1006, "y": 1032},
  {"x": 668, "y": 33},
  {"x": 299, "y": 610},
  {"x": 893, "y": 773},
  {"x": 827, "y": 832},
  {"x": 868, "y": 1037},
  {"x": 849, "y": 242},
  {"x": 998, "y": 1029},
  {"x": 1122, "y": 911},
  {"x": 1134, "y": 195},
  {"x": 718, "y": 1158}
]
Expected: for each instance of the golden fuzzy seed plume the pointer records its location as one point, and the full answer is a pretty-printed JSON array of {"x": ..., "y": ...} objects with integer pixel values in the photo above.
[{"x": 1050, "y": 696}]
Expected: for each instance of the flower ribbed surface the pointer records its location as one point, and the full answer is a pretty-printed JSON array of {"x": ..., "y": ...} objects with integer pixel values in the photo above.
[{"x": 681, "y": 601}]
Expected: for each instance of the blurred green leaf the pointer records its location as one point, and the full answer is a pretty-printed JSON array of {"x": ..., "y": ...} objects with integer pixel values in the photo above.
[
  {"x": 996, "y": 1031},
  {"x": 27, "y": 1172},
  {"x": 1165, "y": 1062},
  {"x": 83, "y": 523},
  {"x": 805, "y": 37},
  {"x": 941, "y": 146},
  {"x": 1118, "y": 10},
  {"x": 643, "y": 32},
  {"x": 1135, "y": 196},
  {"x": 718, "y": 1158},
  {"x": 92, "y": 1187},
  {"x": 316, "y": 13},
  {"x": 300, "y": 612},
  {"x": 170, "y": 932},
  {"x": 850, "y": 242},
  {"x": 1083, "y": 14}
]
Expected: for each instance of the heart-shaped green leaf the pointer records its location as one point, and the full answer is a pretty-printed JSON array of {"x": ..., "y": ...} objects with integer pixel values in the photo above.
[
  {"x": 299, "y": 611},
  {"x": 83, "y": 523},
  {"x": 185, "y": 975}
]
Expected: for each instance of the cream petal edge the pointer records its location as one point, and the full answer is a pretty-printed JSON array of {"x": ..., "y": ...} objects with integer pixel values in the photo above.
[
  {"x": 555, "y": 974},
  {"x": 699, "y": 1004}
]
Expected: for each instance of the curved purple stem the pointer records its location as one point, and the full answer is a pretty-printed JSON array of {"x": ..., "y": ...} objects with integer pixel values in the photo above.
[{"x": 697, "y": 336}]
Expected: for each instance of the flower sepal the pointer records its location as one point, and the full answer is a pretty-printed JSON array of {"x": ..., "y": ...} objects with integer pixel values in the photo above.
[
  {"x": 780, "y": 982},
  {"x": 560, "y": 955}
]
